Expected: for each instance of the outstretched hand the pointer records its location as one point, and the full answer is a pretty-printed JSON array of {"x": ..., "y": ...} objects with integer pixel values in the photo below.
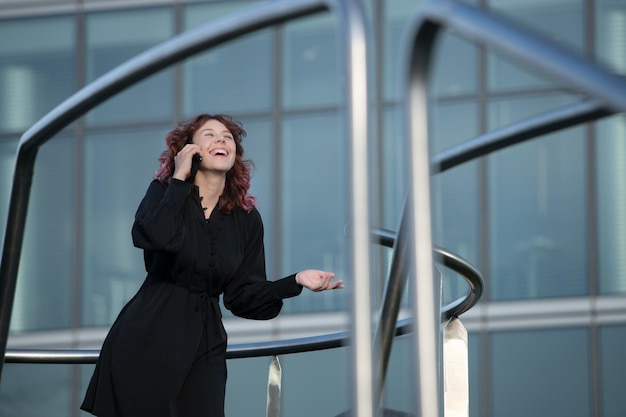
[{"x": 316, "y": 280}]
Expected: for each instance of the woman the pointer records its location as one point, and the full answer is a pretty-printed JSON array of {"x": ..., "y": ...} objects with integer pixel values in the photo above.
[{"x": 165, "y": 354}]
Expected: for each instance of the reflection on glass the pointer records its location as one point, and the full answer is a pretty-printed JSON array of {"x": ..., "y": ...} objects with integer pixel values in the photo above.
[
  {"x": 231, "y": 78},
  {"x": 36, "y": 390},
  {"x": 109, "y": 43},
  {"x": 310, "y": 73},
  {"x": 540, "y": 373},
  {"x": 476, "y": 389},
  {"x": 397, "y": 15},
  {"x": 44, "y": 294},
  {"x": 322, "y": 372},
  {"x": 455, "y": 68},
  {"x": 610, "y": 28},
  {"x": 537, "y": 211},
  {"x": 560, "y": 20},
  {"x": 8, "y": 151},
  {"x": 36, "y": 69},
  {"x": 611, "y": 193},
  {"x": 119, "y": 167},
  {"x": 313, "y": 203},
  {"x": 455, "y": 193},
  {"x": 612, "y": 370},
  {"x": 259, "y": 148},
  {"x": 393, "y": 167}
]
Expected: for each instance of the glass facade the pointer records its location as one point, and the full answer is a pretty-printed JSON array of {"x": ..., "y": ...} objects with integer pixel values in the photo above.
[{"x": 544, "y": 221}]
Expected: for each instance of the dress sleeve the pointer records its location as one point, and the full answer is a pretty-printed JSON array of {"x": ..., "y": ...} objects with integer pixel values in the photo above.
[
  {"x": 158, "y": 222},
  {"x": 248, "y": 293}
]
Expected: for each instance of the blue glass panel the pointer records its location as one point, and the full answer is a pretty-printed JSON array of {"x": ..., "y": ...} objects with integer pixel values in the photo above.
[
  {"x": 537, "y": 211},
  {"x": 455, "y": 66},
  {"x": 611, "y": 193},
  {"x": 311, "y": 69},
  {"x": 260, "y": 149},
  {"x": 119, "y": 167},
  {"x": 232, "y": 78},
  {"x": 476, "y": 366},
  {"x": 540, "y": 373},
  {"x": 456, "y": 193},
  {"x": 399, "y": 385},
  {"x": 562, "y": 21},
  {"x": 36, "y": 391},
  {"x": 36, "y": 68},
  {"x": 397, "y": 15},
  {"x": 326, "y": 376},
  {"x": 8, "y": 151},
  {"x": 610, "y": 26},
  {"x": 612, "y": 370},
  {"x": 313, "y": 203},
  {"x": 112, "y": 38},
  {"x": 44, "y": 295},
  {"x": 393, "y": 167}
]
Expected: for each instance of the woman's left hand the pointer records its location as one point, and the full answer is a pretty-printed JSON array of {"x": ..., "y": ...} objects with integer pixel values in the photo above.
[{"x": 318, "y": 280}]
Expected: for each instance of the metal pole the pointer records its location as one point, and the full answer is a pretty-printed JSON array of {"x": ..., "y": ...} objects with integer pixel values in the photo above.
[{"x": 355, "y": 63}]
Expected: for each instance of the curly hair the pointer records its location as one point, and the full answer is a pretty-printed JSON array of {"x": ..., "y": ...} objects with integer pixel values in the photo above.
[{"x": 237, "y": 179}]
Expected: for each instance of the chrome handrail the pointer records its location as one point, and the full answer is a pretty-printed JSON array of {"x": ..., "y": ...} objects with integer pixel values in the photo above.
[
  {"x": 235, "y": 351},
  {"x": 505, "y": 36},
  {"x": 287, "y": 346},
  {"x": 450, "y": 260}
]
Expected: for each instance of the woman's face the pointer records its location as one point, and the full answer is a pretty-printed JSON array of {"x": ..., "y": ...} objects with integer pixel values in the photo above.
[{"x": 218, "y": 146}]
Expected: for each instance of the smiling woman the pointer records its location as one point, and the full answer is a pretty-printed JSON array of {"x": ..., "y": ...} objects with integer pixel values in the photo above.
[{"x": 165, "y": 353}]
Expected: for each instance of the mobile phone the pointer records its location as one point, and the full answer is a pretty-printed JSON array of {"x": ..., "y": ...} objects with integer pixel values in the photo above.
[{"x": 195, "y": 164}]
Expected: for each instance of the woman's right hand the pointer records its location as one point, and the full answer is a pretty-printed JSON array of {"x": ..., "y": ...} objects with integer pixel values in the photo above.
[{"x": 182, "y": 161}]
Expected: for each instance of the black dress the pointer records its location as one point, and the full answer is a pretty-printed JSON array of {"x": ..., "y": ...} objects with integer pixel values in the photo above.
[{"x": 165, "y": 354}]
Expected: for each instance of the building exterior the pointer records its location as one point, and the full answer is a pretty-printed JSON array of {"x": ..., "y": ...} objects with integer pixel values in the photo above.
[{"x": 544, "y": 221}]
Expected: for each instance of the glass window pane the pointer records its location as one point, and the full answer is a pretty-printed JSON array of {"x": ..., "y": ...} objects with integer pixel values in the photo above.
[
  {"x": 112, "y": 38},
  {"x": 36, "y": 391},
  {"x": 313, "y": 203},
  {"x": 540, "y": 373},
  {"x": 119, "y": 167},
  {"x": 397, "y": 15},
  {"x": 393, "y": 187},
  {"x": 537, "y": 212},
  {"x": 8, "y": 150},
  {"x": 455, "y": 69},
  {"x": 36, "y": 69},
  {"x": 560, "y": 20},
  {"x": 399, "y": 391},
  {"x": 611, "y": 192},
  {"x": 475, "y": 365},
  {"x": 44, "y": 294},
  {"x": 455, "y": 193},
  {"x": 259, "y": 147},
  {"x": 610, "y": 33},
  {"x": 311, "y": 70},
  {"x": 612, "y": 370},
  {"x": 232, "y": 78}
]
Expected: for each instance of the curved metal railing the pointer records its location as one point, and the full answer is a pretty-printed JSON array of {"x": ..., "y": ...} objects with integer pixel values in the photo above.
[
  {"x": 606, "y": 90},
  {"x": 289, "y": 346}
]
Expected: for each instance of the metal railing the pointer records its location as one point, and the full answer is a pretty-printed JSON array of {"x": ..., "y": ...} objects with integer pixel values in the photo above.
[
  {"x": 297, "y": 345},
  {"x": 608, "y": 94}
]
